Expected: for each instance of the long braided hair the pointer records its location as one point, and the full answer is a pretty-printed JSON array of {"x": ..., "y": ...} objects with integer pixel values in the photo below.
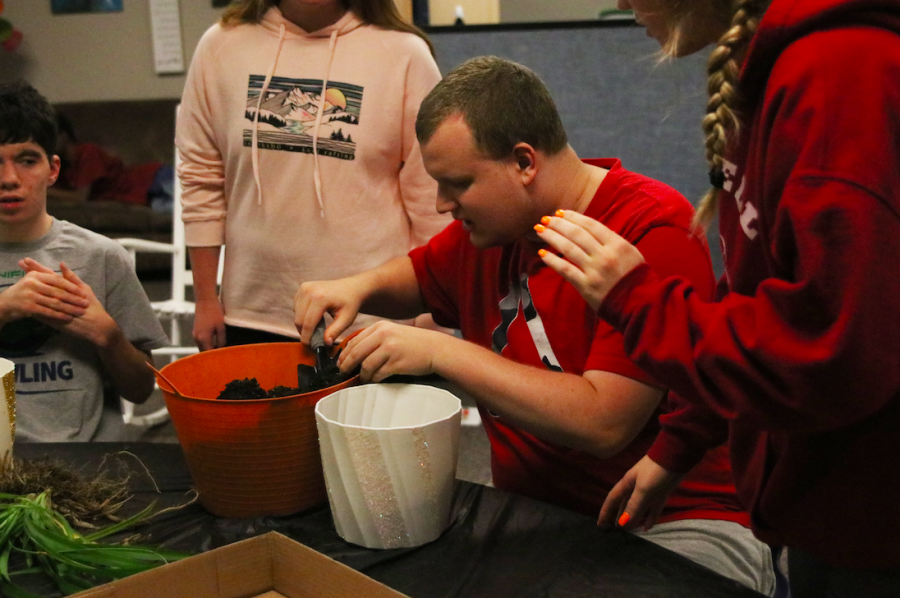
[{"x": 722, "y": 121}]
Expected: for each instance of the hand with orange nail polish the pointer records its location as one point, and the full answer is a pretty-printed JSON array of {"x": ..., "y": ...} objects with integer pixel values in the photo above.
[
  {"x": 587, "y": 254},
  {"x": 637, "y": 500}
]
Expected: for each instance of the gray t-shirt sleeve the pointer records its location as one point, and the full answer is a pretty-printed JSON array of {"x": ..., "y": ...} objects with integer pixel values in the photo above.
[{"x": 126, "y": 301}]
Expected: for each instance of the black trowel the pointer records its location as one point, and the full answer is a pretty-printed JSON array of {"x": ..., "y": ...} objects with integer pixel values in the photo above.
[
  {"x": 307, "y": 375},
  {"x": 317, "y": 344}
]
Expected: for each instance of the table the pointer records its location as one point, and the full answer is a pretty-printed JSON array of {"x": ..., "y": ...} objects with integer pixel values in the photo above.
[{"x": 498, "y": 544}]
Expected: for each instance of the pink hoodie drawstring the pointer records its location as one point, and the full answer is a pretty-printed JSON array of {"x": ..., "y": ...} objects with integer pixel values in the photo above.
[
  {"x": 254, "y": 148},
  {"x": 317, "y": 178}
]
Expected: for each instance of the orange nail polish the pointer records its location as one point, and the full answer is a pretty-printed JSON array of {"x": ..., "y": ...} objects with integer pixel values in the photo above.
[
  {"x": 559, "y": 213},
  {"x": 624, "y": 519},
  {"x": 545, "y": 220},
  {"x": 542, "y": 252},
  {"x": 539, "y": 228}
]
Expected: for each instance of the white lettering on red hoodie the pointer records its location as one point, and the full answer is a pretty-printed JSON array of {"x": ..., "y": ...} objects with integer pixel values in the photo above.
[
  {"x": 320, "y": 185},
  {"x": 800, "y": 357}
]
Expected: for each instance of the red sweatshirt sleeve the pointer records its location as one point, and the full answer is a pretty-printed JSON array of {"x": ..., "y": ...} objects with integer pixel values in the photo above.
[{"x": 687, "y": 429}]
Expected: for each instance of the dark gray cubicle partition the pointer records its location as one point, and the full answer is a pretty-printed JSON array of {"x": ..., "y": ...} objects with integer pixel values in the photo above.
[{"x": 614, "y": 99}]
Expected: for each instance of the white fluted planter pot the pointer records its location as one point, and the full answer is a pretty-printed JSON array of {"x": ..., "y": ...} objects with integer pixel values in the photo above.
[{"x": 389, "y": 455}]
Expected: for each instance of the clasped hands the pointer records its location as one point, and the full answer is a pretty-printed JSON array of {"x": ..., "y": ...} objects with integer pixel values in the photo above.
[{"x": 61, "y": 300}]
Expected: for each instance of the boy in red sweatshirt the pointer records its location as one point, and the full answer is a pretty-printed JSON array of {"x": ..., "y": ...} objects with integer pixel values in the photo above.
[{"x": 565, "y": 410}]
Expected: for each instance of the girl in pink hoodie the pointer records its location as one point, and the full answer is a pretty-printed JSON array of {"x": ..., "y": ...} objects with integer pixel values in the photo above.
[
  {"x": 298, "y": 153},
  {"x": 799, "y": 356}
]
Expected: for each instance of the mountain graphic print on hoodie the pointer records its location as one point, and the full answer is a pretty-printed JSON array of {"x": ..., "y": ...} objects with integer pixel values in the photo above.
[
  {"x": 800, "y": 356},
  {"x": 327, "y": 182},
  {"x": 289, "y": 113}
]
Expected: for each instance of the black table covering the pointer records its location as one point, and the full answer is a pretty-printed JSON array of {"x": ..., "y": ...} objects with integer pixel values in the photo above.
[{"x": 498, "y": 544}]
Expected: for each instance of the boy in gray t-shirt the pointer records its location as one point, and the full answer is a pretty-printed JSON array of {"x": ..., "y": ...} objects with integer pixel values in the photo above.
[{"x": 73, "y": 314}]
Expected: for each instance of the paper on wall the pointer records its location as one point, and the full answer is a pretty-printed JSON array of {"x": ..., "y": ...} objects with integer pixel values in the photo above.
[{"x": 166, "y": 25}]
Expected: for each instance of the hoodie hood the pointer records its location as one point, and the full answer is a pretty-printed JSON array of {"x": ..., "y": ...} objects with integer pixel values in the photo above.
[
  {"x": 788, "y": 20},
  {"x": 273, "y": 20},
  {"x": 285, "y": 30}
]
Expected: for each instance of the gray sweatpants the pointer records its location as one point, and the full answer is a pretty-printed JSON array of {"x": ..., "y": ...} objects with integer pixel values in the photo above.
[{"x": 727, "y": 548}]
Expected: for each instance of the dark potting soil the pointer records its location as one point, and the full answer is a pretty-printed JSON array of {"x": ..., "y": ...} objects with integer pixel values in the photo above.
[
  {"x": 248, "y": 388},
  {"x": 307, "y": 381}
]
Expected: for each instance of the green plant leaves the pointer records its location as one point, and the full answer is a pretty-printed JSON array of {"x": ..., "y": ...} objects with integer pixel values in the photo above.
[{"x": 31, "y": 529}]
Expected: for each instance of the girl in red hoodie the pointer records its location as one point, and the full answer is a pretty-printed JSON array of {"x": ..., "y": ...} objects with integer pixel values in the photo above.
[{"x": 800, "y": 355}]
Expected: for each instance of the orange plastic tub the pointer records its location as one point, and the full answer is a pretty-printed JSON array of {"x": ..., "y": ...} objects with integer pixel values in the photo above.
[{"x": 248, "y": 458}]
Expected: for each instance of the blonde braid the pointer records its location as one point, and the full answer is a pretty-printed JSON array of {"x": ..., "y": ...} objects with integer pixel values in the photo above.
[{"x": 721, "y": 123}]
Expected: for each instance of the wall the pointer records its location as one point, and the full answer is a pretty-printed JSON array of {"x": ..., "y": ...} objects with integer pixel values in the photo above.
[
  {"x": 475, "y": 12},
  {"x": 527, "y": 11},
  {"x": 104, "y": 56},
  {"x": 405, "y": 8},
  {"x": 613, "y": 98}
]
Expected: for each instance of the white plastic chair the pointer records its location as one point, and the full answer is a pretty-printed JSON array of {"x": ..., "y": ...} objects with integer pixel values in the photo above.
[{"x": 174, "y": 310}]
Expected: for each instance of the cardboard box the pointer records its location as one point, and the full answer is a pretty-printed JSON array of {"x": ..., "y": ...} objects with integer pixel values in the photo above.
[{"x": 267, "y": 566}]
